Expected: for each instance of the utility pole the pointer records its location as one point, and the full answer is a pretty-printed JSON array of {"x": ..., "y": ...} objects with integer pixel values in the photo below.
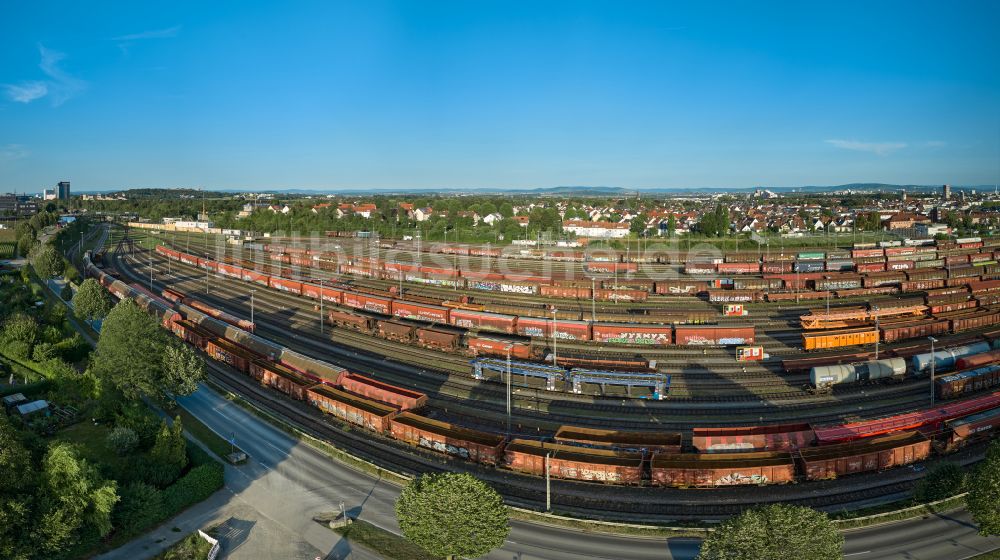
[
  {"x": 150, "y": 272},
  {"x": 933, "y": 363},
  {"x": 877, "y": 336},
  {"x": 555, "y": 330},
  {"x": 321, "y": 306},
  {"x": 251, "y": 304},
  {"x": 548, "y": 487},
  {"x": 508, "y": 391},
  {"x": 593, "y": 301}
]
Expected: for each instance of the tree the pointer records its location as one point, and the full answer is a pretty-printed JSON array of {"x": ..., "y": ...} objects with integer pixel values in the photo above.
[
  {"x": 774, "y": 532},
  {"x": 452, "y": 514},
  {"x": 66, "y": 294},
  {"x": 943, "y": 481},
  {"x": 129, "y": 351},
  {"x": 983, "y": 499},
  {"x": 20, "y": 332},
  {"x": 169, "y": 453},
  {"x": 46, "y": 260},
  {"x": 15, "y": 494},
  {"x": 638, "y": 224},
  {"x": 506, "y": 210},
  {"x": 91, "y": 301},
  {"x": 73, "y": 495},
  {"x": 141, "y": 505},
  {"x": 183, "y": 369},
  {"x": 24, "y": 244},
  {"x": 671, "y": 225}
]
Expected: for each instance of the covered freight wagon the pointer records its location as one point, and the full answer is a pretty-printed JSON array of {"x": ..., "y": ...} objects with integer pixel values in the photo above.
[
  {"x": 623, "y": 333},
  {"x": 572, "y": 462},
  {"x": 839, "y": 338},
  {"x": 368, "y": 302},
  {"x": 712, "y": 336},
  {"x": 480, "y": 320},
  {"x": 722, "y": 469},
  {"x": 543, "y": 328}
]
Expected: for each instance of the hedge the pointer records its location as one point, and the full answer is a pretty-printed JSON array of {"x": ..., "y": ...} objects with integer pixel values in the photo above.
[
  {"x": 198, "y": 484},
  {"x": 26, "y": 389}
]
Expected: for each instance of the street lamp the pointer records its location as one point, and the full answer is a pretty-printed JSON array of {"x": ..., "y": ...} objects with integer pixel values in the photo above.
[
  {"x": 252, "y": 292},
  {"x": 933, "y": 363}
]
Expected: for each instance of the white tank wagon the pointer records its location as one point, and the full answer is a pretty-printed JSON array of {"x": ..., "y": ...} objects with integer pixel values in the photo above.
[
  {"x": 823, "y": 377},
  {"x": 944, "y": 360}
]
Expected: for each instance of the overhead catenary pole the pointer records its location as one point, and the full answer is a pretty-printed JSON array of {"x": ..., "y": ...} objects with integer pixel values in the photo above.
[
  {"x": 555, "y": 348},
  {"x": 933, "y": 363},
  {"x": 251, "y": 304},
  {"x": 321, "y": 306},
  {"x": 548, "y": 486},
  {"x": 508, "y": 391}
]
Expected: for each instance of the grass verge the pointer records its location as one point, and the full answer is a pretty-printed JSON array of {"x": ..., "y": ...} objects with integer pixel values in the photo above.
[
  {"x": 385, "y": 543},
  {"x": 911, "y": 512}
]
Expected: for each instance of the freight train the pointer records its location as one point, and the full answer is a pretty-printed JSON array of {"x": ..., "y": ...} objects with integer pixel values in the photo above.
[
  {"x": 769, "y": 455},
  {"x": 470, "y": 318}
]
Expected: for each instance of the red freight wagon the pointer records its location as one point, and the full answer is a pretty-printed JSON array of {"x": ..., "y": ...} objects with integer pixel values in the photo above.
[
  {"x": 681, "y": 287},
  {"x": 876, "y": 454},
  {"x": 730, "y": 296},
  {"x": 797, "y": 280},
  {"x": 913, "y": 329},
  {"x": 968, "y": 381},
  {"x": 722, "y": 469},
  {"x": 355, "y": 409},
  {"x": 620, "y": 333},
  {"x": 796, "y": 296},
  {"x": 329, "y": 294},
  {"x": 976, "y": 360},
  {"x": 921, "y": 285},
  {"x": 358, "y": 322},
  {"x": 256, "y": 277},
  {"x": 191, "y": 333},
  {"x": 984, "y": 286},
  {"x": 230, "y": 270},
  {"x": 392, "y": 330},
  {"x": 446, "y": 272},
  {"x": 543, "y": 327},
  {"x": 753, "y": 438},
  {"x": 572, "y": 462},
  {"x": 528, "y": 278},
  {"x": 565, "y": 292},
  {"x": 480, "y": 252},
  {"x": 188, "y": 259},
  {"x": 224, "y": 351},
  {"x": 976, "y": 426},
  {"x": 776, "y": 267},
  {"x": 470, "y": 275},
  {"x": 610, "y": 267},
  {"x": 420, "y": 311},
  {"x": 699, "y": 268},
  {"x": 207, "y": 264},
  {"x": 493, "y": 347},
  {"x": 975, "y": 321},
  {"x": 480, "y": 320},
  {"x": 367, "y": 302},
  {"x": 471, "y": 445},
  {"x": 896, "y": 251},
  {"x": 871, "y": 267},
  {"x": 862, "y": 253},
  {"x": 949, "y": 306},
  {"x": 432, "y": 338},
  {"x": 900, "y": 265},
  {"x": 712, "y": 336},
  {"x": 620, "y": 295},
  {"x": 282, "y": 378},
  {"x": 738, "y": 268},
  {"x": 286, "y": 285},
  {"x": 633, "y": 441},
  {"x": 405, "y": 399}
]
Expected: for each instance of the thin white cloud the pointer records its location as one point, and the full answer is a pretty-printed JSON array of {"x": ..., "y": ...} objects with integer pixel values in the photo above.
[
  {"x": 26, "y": 92},
  {"x": 154, "y": 34},
  {"x": 12, "y": 152},
  {"x": 877, "y": 148},
  {"x": 62, "y": 86}
]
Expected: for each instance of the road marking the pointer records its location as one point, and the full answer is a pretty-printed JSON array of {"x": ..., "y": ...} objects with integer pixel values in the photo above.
[{"x": 858, "y": 553}]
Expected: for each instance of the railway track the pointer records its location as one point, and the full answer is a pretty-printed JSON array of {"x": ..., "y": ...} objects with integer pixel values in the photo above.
[{"x": 537, "y": 408}]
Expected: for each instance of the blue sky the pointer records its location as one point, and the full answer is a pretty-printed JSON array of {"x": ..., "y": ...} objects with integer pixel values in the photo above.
[{"x": 373, "y": 94}]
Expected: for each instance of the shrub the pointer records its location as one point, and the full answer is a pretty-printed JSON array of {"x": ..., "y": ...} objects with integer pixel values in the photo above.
[
  {"x": 943, "y": 481},
  {"x": 18, "y": 349},
  {"x": 198, "y": 484},
  {"x": 123, "y": 440},
  {"x": 43, "y": 351},
  {"x": 141, "y": 505}
]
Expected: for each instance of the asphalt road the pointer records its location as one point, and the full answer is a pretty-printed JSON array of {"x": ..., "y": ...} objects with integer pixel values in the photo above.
[{"x": 326, "y": 483}]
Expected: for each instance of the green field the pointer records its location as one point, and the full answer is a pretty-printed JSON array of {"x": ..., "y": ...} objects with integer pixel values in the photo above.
[{"x": 7, "y": 243}]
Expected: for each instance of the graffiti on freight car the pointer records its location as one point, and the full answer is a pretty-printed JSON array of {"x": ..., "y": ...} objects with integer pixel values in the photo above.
[
  {"x": 443, "y": 447},
  {"x": 638, "y": 338},
  {"x": 734, "y": 340},
  {"x": 694, "y": 340},
  {"x": 588, "y": 474},
  {"x": 737, "y": 479}
]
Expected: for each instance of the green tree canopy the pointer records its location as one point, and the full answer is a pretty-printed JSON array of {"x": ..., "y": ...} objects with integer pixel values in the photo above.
[
  {"x": 452, "y": 514},
  {"x": 943, "y": 481},
  {"x": 774, "y": 532},
  {"x": 46, "y": 260},
  {"x": 183, "y": 369},
  {"x": 15, "y": 494},
  {"x": 130, "y": 350},
  {"x": 74, "y": 495},
  {"x": 91, "y": 301},
  {"x": 983, "y": 500},
  {"x": 169, "y": 453}
]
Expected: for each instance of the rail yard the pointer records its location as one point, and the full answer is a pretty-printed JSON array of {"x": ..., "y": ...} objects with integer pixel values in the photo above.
[{"x": 667, "y": 371}]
